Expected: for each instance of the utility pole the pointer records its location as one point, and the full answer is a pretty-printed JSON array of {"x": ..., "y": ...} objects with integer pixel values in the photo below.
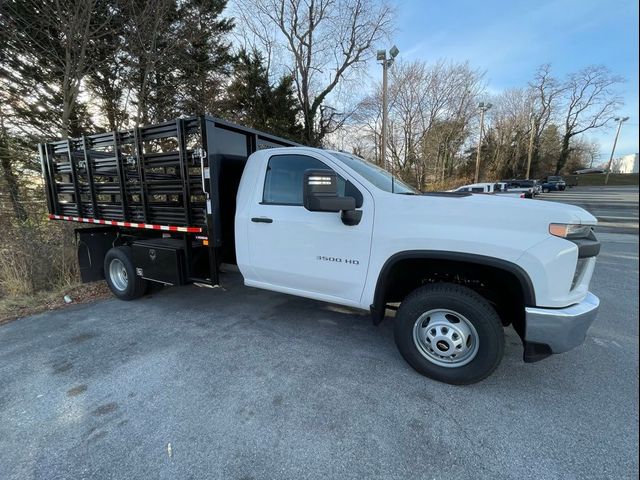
[
  {"x": 531, "y": 143},
  {"x": 386, "y": 63},
  {"x": 483, "y": 107},
  {"x": 383, "y": 145},
  {"x": 620, "y": 120}
]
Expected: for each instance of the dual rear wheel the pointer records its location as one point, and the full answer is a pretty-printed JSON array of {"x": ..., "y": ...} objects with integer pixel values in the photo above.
[{"x": 120, "y": 274}]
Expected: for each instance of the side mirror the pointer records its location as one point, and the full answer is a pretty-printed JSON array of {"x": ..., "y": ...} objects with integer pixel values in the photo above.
[{"x": 320, "y": 192}]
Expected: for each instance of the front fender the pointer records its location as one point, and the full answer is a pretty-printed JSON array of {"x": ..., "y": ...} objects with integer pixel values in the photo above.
[{"x": 378, "y": 306}]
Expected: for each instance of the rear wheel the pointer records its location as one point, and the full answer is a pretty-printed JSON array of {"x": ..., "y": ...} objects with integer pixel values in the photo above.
[
  {"x": 120, "y": 274},
  {"x": 449, "y": 333}
]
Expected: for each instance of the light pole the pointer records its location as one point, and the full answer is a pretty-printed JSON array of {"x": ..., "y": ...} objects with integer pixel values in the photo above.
[
  {"x": 386, "y": 63},
  {"x": 482, "y": 107},
  {"x": 620, "y": 120}
]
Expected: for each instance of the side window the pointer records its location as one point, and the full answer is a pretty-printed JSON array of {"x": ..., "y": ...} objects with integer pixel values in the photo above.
[
  {"x": 477, "y": 189},
  {"x": 283, "y": 182},
  {"x": 285, "y": 173}
]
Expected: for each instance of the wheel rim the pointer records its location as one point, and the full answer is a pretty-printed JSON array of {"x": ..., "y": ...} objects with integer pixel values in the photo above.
[
  {"x": 118, "y": 275},
  {"x": 445, "y": 338}
]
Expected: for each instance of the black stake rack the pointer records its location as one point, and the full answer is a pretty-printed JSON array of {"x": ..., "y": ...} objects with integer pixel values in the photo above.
[{"x": 179, "y": 176}]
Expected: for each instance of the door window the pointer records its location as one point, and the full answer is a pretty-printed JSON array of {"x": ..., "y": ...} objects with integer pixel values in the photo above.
[{"x": 283, "y": 183}]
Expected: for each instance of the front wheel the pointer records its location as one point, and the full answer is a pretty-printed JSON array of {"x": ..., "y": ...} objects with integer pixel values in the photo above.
[{"x": 449, "y": 333}]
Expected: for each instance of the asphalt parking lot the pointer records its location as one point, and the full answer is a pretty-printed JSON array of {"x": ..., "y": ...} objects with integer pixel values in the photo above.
[
  {"x": 615, "y": 207},
  {"x": 238, "y": 383}
]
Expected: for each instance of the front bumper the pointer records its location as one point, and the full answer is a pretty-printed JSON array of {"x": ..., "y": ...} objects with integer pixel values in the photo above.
[{"x": 557, "y": 330}]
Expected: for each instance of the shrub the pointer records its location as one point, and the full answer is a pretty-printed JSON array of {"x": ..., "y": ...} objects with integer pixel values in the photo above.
[{"x": 36, "y": 255}]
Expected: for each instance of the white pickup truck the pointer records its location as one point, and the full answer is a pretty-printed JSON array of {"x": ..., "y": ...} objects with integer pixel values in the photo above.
[
  {"x": 456, "y": 268},
  {"x": 496, "y": 188}
]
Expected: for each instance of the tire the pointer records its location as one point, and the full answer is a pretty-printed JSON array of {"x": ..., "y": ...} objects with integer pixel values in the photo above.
[
  {"x": 120, "y": 274},
  {"x": 460, "y": 311}
]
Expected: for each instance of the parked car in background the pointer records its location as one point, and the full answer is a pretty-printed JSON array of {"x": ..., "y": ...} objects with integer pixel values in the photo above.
[
  {"x": 537, "y": 187},
  {"x": 524, "y": 186},
  {"x": 489, "y": 187},
  {"x": 553, "y": 183}
]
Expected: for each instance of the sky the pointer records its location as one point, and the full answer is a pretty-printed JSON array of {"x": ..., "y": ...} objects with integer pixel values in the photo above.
[{"x": 510, "y": 39}]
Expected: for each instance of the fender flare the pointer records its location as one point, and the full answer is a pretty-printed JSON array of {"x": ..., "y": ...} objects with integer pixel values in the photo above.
[{"x": 378, "y": 307}]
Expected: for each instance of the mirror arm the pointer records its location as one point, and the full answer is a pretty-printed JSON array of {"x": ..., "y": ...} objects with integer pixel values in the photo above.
[{"x": 351, "y": 217}]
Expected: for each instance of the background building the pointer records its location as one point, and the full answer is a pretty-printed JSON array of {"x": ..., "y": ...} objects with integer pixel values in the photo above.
[{"x": 625, "y": 164}]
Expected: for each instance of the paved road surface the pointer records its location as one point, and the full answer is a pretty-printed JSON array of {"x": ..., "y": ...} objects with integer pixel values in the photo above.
[
  {"x": 615, "y": 207},
  {"x": 248, "y": 384}
]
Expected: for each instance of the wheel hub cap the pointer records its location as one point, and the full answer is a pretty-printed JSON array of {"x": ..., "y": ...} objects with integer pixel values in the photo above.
[
  {"x": 445, "y": 338},
  {"x": 118, "y": 274}
]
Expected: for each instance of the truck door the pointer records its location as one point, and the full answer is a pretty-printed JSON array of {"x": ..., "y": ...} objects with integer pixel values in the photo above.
[{"x": 312, "y": 254}]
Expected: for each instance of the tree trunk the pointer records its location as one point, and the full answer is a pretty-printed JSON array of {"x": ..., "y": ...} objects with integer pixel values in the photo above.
[
  {"x": 564, "y": 154},
  {"x": 11, "y": 181},
  {"x": 310, "y": 138},
  {"x": 9, "y": 175}
]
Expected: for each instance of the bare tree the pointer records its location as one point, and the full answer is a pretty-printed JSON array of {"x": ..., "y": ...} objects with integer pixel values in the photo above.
[
  {"x": 583, "y": 153},
  {"x": 429, "y": 117},
  {"x": 545, "y": 92},
  {"x": 590, "y": 102},
  {"x": 508, "y": 134},
  {"x": 324, "y": 41},
  {"x": 368, "y": 117}
]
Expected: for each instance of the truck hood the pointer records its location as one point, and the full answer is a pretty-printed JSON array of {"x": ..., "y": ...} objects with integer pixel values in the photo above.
[
  {"x": 501, "y": 207},
  {"x": 450, "y": 220},
  {"x": 527, "y": 209}
]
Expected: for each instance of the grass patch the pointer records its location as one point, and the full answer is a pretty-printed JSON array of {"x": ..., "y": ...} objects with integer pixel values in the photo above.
[
  {"x": 597, "y": 179},
  {"x": 17, "y": 306}
]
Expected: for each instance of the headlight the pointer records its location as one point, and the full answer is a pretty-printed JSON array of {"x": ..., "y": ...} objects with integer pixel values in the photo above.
[{"x": 569, "y": 231}]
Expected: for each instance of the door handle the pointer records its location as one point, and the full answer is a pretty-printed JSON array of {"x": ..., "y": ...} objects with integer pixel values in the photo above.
[{"x": 262, "y": 220}]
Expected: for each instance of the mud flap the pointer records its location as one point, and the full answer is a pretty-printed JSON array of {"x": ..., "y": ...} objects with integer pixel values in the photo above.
[{"x": 93, "y": 244}]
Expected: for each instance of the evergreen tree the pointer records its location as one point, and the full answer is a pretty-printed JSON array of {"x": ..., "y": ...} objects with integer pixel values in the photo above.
[
  {"x": 150, "y": 57},
  {"x": 50, "y": 48},
  {"x": 204, "y": 58},
  {"x": 254, "y": 102},
  {"x": 106, "y": 80}
]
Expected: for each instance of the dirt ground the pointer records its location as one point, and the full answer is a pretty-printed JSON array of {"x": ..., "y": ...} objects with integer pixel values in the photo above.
[{"x": 12, "y": 308}]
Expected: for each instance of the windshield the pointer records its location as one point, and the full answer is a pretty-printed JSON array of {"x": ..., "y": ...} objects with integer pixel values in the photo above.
[
  {"x": 376, "y": 175},
  {"x": 554, "y": 179}
]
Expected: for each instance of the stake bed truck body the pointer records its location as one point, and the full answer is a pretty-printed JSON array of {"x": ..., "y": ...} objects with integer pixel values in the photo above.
[{"x": 175, "y": 200}]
